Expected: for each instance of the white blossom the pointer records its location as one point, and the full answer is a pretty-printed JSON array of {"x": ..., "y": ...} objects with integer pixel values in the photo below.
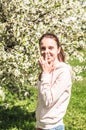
[
  {"x": 2, "y": 94},
  {"x": 16, "y": 72}
]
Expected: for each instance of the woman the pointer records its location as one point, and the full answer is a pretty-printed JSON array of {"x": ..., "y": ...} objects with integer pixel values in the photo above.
[{"x": 54, "y": 87}]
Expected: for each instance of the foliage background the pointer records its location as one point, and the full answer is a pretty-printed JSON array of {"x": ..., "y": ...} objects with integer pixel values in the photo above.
[{"x": 22, "y": 22}]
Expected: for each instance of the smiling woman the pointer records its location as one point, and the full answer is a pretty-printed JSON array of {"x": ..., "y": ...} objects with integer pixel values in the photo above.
[
  {"x": 49, "y": 49},
  {"x": 54, "y": 88},
  {"x": 51, "y": 42}
]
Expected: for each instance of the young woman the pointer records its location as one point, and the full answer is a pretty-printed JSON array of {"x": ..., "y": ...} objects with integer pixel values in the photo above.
[{"x": 54, "y": 87}]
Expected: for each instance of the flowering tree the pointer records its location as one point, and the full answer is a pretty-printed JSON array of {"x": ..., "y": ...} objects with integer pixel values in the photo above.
[{"x": 22, "y": 22}]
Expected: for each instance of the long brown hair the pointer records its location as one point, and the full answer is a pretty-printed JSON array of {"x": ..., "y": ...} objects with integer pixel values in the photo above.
[{"x": 61, "y": 55}]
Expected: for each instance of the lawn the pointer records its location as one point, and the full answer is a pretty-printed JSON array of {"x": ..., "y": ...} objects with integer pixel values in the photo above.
[
  {"x": 75, "y": 118},
  {"x": 20, "y": 115}
]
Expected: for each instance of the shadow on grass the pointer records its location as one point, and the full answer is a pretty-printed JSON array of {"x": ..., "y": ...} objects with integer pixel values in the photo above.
[{"x": 16, "y": 118}]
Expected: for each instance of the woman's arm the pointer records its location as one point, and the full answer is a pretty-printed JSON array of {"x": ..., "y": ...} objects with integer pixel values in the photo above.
[{"x": 50, "y": 93}]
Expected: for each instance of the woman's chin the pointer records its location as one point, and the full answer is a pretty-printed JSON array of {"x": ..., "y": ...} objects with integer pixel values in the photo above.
[{"x": 49, "y": 61}]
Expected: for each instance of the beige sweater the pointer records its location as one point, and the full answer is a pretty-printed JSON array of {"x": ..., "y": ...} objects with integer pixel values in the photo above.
[{"x": 54, "y": 92}]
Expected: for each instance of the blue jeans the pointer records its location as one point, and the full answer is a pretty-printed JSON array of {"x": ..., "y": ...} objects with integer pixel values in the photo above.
[{"x": 60, "y": 127}]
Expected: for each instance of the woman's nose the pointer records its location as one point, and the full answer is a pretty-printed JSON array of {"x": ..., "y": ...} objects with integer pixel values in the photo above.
[{"x": 47, "y": 51}]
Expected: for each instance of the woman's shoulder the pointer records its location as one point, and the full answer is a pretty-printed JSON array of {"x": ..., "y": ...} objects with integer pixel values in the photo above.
[{"x": 63, "y": 67}]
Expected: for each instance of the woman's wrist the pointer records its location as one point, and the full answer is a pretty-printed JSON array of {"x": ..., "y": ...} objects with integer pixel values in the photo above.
[{"x": 45, "y": 72}]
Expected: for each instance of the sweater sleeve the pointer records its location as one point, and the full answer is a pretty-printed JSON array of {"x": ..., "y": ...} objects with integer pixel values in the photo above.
[{"x": 50, "y": 93}]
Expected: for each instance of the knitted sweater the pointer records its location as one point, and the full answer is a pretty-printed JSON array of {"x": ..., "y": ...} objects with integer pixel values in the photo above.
[{"x": 54, "y": 92}]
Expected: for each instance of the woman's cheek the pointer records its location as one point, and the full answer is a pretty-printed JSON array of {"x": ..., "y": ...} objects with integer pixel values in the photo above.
[{"x": 43, "y": 55}]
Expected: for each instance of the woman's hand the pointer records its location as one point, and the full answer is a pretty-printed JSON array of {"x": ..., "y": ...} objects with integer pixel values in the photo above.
[{"x": 45, "y": 66}]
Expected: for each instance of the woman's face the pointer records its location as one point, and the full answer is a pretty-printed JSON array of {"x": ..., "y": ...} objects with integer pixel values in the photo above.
[{"x": 49, "y": 49}]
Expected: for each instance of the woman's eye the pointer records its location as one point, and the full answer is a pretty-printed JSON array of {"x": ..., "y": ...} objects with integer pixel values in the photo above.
[
  {"x": 42, "y": 48},
  {"x": 50, "y": 47}
]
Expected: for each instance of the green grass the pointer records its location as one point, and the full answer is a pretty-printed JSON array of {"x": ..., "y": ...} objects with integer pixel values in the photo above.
[
  {"x": 21, "y": 115},
  {"x": 75, "y": 118},
  {"x": 74, "y": 61}
]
